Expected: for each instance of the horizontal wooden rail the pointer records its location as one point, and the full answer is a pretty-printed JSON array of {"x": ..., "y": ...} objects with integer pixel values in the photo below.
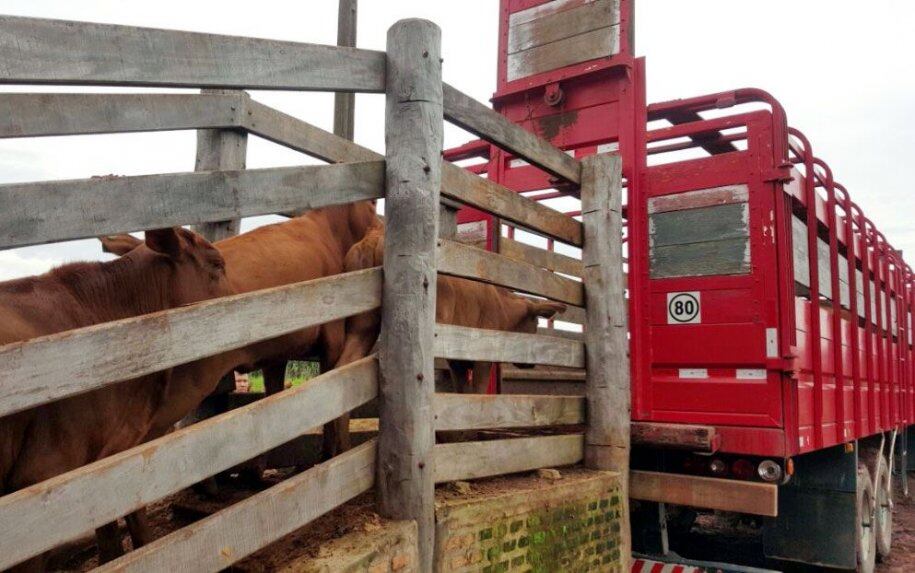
[
  {"x": 294, "y": 133},
  {"x": 34, "y": 213},
  {"x": 457, "y": 184},
  {"x": 549, "y": 260},
  {"x": 469, "y": 262},
  {"x": 58, "y": 52},
  {"x": 68, "y": 363},
  {"x": 226, "y": 537},
  {"x": 461, "y": 343},
  {"x": 705, "y": 492},
  {"x": 51, "y": 114},
  {"x": 471, "y": 460},
  {"x": 479, "y": 119},
  {"x": 107, "y": 489},
  {"x": 463, "y": 186},
  {"x": 675, "y": 436},
  {"x": 475, "y": 412},
  {"x": 560, "y": 333}
]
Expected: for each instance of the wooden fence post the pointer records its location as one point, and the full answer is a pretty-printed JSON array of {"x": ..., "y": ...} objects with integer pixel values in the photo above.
[
  {"x": 607, "y": 361},
  {"x": 413, "y": 140},
  {"x": 217, "y": 150},
  {"x": 345, "y": 103}
]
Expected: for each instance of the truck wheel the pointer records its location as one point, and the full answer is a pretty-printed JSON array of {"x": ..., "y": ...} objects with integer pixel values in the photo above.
[
  {"x": 883, "y": 484},
  {"x": 865, "y": 535}
]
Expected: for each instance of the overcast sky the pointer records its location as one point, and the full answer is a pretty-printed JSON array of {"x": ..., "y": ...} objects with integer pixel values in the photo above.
[{"x": 842, "y": 69}]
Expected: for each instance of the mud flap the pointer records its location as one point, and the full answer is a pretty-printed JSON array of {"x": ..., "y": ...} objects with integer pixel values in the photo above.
[{"x": 816, "y": 511}]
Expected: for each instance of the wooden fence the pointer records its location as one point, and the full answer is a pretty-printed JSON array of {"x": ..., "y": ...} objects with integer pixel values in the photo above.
[{"x": 405, "y": 463}]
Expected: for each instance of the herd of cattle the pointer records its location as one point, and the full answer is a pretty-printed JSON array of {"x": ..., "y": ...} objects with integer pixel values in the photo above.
[{"x": 176, "y": 267}]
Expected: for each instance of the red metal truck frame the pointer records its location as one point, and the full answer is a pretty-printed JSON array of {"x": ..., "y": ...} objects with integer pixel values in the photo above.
[{"x": 758, "y": 323}]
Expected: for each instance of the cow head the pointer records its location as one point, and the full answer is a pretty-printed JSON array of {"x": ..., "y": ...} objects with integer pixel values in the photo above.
[
  {"x": 537, "y": 309},
  {"x": 192, "y": 269}
]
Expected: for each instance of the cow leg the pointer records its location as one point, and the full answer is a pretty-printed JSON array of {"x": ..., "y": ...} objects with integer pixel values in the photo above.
[
  {"x": 274, "y": 377},
  {"x": 459, "y": 370},
  {"x": 108, "y": 539},
  {"x": 138, "y": 526},
  {"x": 336, "y": 438}
]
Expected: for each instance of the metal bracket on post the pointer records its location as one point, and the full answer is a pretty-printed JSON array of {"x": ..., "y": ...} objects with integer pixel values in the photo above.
[{"x": 413, "y": 164}]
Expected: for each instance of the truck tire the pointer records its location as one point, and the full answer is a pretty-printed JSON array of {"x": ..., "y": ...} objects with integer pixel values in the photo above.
[
  {"x": 883, "y": 485},
  {"x": 865, "y": 534}
]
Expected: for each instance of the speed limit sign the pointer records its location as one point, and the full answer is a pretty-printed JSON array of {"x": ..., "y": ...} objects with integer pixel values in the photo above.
[{"x": 683, "y": 308}]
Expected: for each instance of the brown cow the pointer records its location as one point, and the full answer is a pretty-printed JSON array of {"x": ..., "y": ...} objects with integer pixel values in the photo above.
[
  {"x": 461, "y": 302},
  {"x": 174, "y": 267},
  {"x": 308, "y": 247}
]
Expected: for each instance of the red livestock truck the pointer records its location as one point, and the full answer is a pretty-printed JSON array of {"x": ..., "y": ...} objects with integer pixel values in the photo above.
[{"x": 770, "y": 320}]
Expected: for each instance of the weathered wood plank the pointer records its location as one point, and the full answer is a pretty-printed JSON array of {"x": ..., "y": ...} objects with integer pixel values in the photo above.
[
  {"x": 564, "y": 24},
  {"x": 471, "y": 460},
  {"x": 572, "y": 335},
  {"x": 544, "y": 10},
  {"x": 345, "y": 103},
  {"x": 34, "y": 213},
  {"x": 600, "y": 43},
  {"x": 462, "y": 343},
  {"x": 702, "y": 224},
  {"x": 724, "y": 257},
  {"x": 302, "y": 136},
  {"x": 52, "y": 114},
  {"x": 155, "y": 469},
  {"x": 221, "y": 150},
  {"x": 465, "y": 187},
  {"x": 457, "y": 184},
  {"x": 544, "y": 373},
  {"x": 470, "y": 262},
  {"x": 607, "y": 383},
  {"x": 59, "y": 52},
  {"x": 216, "y": 542},
  {"x": 466, "y": 112},
  {"x": 676, "y": 436},
  {"x": 549, "y": 260},
  {"x": 710, "y": 493},
  {"x": 414, "y": 129},
  {"x": 474, "y": 412},
  {"x": 53, "y": 367}
]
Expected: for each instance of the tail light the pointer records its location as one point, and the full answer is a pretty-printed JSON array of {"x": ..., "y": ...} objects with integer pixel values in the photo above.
[
  {"x": 743, "y": 469},
  {"x": 718, "y": 467}
]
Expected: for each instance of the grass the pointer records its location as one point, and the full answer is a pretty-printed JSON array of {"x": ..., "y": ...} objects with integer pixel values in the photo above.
[{"x": 296, "y": 373}]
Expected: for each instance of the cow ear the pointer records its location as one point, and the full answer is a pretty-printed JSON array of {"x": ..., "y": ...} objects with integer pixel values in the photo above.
[
  {"x": 547, "y": 309},
  {"x": 164, "y": 241},
  {"x": 119, "y": 244}
]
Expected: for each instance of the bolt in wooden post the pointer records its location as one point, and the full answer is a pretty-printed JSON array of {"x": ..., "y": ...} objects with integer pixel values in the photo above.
[
  {"x": 607, "y": 361},
  {"x": 217, "y": 150},
  {"x": 413, "y": 139}
]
